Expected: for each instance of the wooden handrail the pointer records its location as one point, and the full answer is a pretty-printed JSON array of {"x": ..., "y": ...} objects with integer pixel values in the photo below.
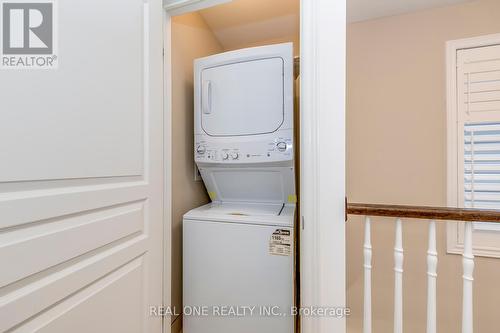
[{"x": 424, "y": 212}]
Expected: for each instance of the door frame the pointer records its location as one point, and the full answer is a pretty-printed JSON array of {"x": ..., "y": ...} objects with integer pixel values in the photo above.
[
  {"x": 167, "y": 165},
  {"x": 322, "y": 132},
  {"x": 322, "y": 170}
]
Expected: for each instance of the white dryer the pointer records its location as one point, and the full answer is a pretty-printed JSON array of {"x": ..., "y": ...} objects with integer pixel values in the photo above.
[
  {"x": 238, "y": 250},
  {"x": 243, "y": 103}
]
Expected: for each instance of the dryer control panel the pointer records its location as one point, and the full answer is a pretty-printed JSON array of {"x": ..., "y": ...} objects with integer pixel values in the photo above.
[{"x": 278, "y": 149}]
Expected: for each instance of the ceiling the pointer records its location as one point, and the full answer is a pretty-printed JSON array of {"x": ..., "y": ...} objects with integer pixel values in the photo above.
[
  {"x": 243, "y": 23},
  {"x": 361, "y": 10}
]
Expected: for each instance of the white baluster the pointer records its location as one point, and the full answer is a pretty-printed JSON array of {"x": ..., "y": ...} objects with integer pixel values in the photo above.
[
  {"x": 367, "y": 314},
  {"x": 468, "y": 278},
  {"x": 432, "y": 261},
  {"x": 398, "y": 278}
]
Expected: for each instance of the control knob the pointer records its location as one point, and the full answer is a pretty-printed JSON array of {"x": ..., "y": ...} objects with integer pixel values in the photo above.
[
  {"x": 201, "y": 149},
  {"x": 235, "y": 156},
  {"x": 281, "y": 146},
  {"x": 225, "y": 156}
]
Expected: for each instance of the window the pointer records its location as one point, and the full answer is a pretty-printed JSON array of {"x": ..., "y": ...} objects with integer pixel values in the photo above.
[
  {"x": 474, "y": 137},
  {"x": 481, "y": 183}
]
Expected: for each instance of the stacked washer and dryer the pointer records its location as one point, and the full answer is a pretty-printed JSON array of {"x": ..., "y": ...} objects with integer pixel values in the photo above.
[{"x": 238, "y": 251}]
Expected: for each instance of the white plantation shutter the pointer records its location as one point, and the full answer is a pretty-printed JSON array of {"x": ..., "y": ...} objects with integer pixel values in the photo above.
[
  {"x": 482, "y": 165},
  {"x": 478, "y": 75}
]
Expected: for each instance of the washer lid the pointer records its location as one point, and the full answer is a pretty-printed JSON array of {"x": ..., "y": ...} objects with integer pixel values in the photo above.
[
  {"x": 264, "y": 185},
  {"x": 242, "y": 209},
  {"x": 249, "y": 213}
]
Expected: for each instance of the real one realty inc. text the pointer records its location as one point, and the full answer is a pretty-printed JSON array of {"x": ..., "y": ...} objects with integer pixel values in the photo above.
[{"x": 249, "y": 311}]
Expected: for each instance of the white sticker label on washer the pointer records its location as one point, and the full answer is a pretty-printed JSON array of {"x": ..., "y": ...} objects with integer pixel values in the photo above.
[{"x": 280, "y": 243}]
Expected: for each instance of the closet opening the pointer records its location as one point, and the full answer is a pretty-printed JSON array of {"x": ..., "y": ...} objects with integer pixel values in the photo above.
[{"x": 232, "y": 26}]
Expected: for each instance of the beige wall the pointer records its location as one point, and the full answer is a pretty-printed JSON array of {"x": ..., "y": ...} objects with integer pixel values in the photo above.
[
  {"x": 294, "y": 39},
  {"x": 396, "y": 153},
  {"x": 191, "y": 39}
]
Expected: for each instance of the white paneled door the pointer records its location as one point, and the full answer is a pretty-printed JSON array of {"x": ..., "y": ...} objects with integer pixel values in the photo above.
[{"x": 81, "y": 179}]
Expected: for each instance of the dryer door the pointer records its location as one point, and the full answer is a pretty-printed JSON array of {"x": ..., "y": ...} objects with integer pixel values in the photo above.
[{"x": 243, "y": 98}]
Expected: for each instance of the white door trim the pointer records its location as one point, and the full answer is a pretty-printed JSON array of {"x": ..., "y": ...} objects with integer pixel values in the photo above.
[
  {"x": 323, "y": 38},
  {"x": 454, "y": 230},
  {"x": 179, "y": 7},
  {"x": 167, "y": 165}
]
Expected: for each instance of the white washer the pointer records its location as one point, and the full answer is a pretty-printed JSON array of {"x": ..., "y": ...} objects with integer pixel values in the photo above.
[
  {"x": 230, "y": 259},
  {"x": 238, "y": 250}
]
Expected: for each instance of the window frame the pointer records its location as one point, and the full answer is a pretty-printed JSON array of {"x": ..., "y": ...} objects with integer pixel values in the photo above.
[{"x": 455, "y": 230}]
